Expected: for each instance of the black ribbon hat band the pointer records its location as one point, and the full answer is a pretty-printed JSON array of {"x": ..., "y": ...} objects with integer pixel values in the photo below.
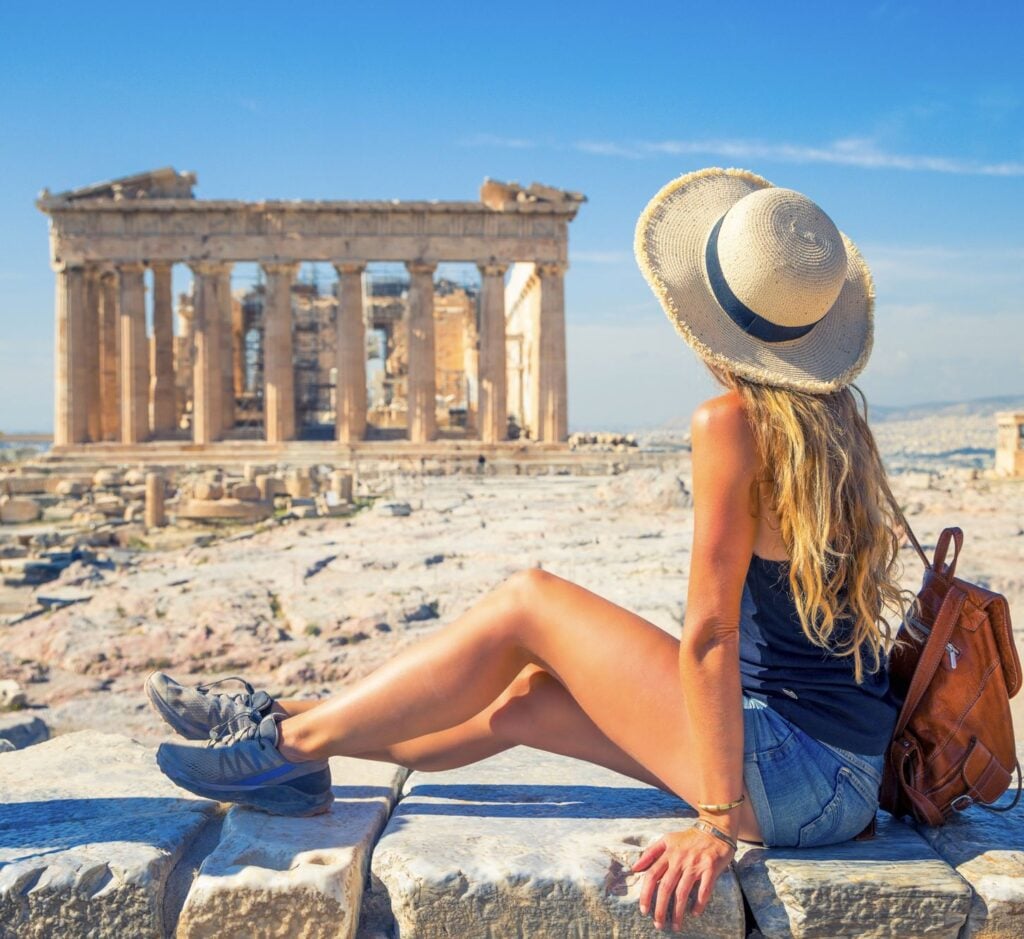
[{"x": 744, "y": 317}]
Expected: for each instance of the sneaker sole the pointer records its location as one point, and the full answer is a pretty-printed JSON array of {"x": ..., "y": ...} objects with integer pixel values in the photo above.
[
  {"x": 169, "y": 716},
  {"x": 274, "y": 800}
]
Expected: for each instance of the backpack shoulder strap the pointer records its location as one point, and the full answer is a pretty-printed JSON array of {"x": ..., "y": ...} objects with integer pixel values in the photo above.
[{"x": 902, "y": 519}]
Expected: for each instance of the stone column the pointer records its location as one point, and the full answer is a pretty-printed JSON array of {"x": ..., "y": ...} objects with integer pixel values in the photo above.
[
  {"x": 155, "y": 516},
  {"x": 493, "y": 414},
  {"x": 421, "y": 398},
  {"x": 70, "y": 424},
  {"x": 163, "y": 349},
  {"x": 238, "y": 346},
  {"x": 225, "y": 366},
  {"x": 350, "y": 332},
  {"x": 278, "y": 364},
  {"x": 184, "y": 356},
  {"x": 91, "y": 358},
  {"x": 552, "y": 390},
  {"x": 110, "y": 367},
  {"x": 206, "y": 379},
  {"x": 134, "y": 354}
]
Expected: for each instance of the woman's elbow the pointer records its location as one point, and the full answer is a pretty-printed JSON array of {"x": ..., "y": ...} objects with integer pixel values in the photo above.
[{"x": 702, "y": 637}]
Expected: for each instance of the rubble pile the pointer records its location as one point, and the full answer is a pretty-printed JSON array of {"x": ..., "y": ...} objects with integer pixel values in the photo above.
[
  {"x": 71, "y": 527},
  {"x": 602, "y": 441}
]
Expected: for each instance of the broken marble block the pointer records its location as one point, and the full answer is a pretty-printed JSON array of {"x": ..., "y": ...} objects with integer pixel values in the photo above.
[
  {"x": 987, "y": 850},
  {"x": 891, "y": 885},
  {"x": 274, "y": 876},
  {"x": 90, "y": 835},
  {"x": 15, "y": 509},
  {"x": 527, "y": 844}
]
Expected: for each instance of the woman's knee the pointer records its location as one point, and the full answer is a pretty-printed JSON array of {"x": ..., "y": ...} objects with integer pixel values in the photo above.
[
  {"x": 528, "y": 581},
  {"x": 525, "y": 592}
]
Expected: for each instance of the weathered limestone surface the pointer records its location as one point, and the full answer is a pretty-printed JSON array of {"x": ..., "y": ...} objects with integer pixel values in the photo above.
[
  {"x": 272, "y": 876},
  {"x": 987, "y": 850},
  {"x": 227, "y": 509},
  {"x": 90, "y": 831},
  {"x": 23, "y": 729},
  {"x": 14, "y": 509},
  {"x": 892, "y": 885},
  {"x": 527, "y": 844},
  {"x": 23, "y": 484}
]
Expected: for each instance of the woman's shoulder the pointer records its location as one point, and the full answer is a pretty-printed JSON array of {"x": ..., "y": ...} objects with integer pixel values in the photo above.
[
  {"x": 721, "y": 441},
  {"x": 723, "y": 420}
]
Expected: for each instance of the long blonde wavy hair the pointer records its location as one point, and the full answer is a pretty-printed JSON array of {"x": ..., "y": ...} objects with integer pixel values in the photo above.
[{"x": 829, "y": 490}]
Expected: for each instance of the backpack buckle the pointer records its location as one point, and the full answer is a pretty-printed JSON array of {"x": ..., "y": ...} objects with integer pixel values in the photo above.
[{"x": 960, "y": 803}]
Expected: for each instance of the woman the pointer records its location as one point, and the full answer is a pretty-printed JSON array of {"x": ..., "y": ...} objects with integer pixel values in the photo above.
[{"x": 771, "y": 713}]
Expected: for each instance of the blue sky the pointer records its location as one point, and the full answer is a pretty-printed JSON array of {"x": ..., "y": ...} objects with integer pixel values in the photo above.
[{"x": 904, "y": 121}]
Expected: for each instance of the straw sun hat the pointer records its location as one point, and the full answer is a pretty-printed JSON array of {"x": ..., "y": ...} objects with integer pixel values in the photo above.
[{"x": 758, "y": 279}]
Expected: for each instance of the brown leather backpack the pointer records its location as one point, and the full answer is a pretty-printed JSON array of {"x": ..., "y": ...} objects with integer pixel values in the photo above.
[{"x": 956, "y": 667}]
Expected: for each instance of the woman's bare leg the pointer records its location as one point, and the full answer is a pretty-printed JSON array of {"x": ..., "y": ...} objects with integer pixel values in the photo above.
[
  {"x": 535, "y": 710},
  {"x": 293, "y": 706},
  {"x": 620, "y": 671}
]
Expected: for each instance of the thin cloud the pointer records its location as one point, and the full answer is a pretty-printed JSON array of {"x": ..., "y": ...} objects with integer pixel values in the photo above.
[
  {"x": 861, "y": 152},
  {"x": 606, "y": 148},
  {"x": 851, "y": 151},
  {"x": 497, "y": 141}
]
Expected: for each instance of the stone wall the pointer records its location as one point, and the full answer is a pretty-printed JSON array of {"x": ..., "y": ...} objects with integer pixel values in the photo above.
[{"x": 95, "y": 841}]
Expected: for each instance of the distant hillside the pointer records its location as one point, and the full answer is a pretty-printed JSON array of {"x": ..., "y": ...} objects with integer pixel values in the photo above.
[{"x": 979, "y": 407}]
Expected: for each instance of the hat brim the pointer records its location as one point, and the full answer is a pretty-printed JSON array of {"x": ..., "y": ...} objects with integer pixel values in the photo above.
[{"x": 671, "y": 236}]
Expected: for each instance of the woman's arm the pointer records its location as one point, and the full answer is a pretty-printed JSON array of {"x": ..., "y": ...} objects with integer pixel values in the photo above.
[
  {"x": 724, "y": 529},
  {"x": 724, "y": 466}
]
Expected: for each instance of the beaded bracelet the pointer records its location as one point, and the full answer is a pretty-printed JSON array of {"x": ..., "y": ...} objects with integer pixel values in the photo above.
[
  {"x": 710, "y": 829},
  {"x": 722, "y": 806}
]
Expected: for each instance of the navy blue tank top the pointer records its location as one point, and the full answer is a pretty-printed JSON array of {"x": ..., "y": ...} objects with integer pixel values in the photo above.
[{"x": 803, "y": 682}]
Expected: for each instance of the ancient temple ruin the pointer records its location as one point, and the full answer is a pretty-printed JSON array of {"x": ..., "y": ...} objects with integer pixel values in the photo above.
[
  {"x": 1010, "y": 443},
  {"x": 286, "y": 360}
]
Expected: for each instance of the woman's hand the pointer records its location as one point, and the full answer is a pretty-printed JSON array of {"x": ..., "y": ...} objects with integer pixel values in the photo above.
[{"x": 674, "y": 865}]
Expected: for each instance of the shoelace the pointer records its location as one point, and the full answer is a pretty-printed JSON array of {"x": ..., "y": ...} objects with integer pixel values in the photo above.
[
  {"x": 221, "y": 737},
  {"x": 243, "y": 698}
]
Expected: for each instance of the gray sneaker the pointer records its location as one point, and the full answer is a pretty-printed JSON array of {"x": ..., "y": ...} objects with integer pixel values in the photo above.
[
  {"x": 193, "y": 712},
  {"x": 245, "y": 766}
]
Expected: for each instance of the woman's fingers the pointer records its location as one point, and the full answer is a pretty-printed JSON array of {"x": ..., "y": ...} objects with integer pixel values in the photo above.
[
  {"x": 666, "y": 887},
  {"x": 653, "y": 851},
  {"x": 651, "y": 878},
  {"x": 707, "y": 887},
  {"x": 682, "y": 897}
]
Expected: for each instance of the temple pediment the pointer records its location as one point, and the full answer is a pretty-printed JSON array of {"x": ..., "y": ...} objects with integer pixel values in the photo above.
[{"x": 164, "y": 183}]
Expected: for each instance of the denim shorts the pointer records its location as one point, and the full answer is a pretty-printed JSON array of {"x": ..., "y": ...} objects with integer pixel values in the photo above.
[{"x": 804, "y": 793}]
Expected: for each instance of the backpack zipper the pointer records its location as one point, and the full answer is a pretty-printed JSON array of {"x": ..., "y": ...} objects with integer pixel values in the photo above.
[{"x": 951, "y": 650}]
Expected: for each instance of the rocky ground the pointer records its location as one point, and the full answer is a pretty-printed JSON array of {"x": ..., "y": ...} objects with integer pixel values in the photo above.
[
  {"x": 306, "y": 606},
  {"x": 303, "y": 601}
]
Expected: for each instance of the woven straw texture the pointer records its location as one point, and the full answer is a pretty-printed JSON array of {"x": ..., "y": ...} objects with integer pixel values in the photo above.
[{"x": 671, "y": 237}]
